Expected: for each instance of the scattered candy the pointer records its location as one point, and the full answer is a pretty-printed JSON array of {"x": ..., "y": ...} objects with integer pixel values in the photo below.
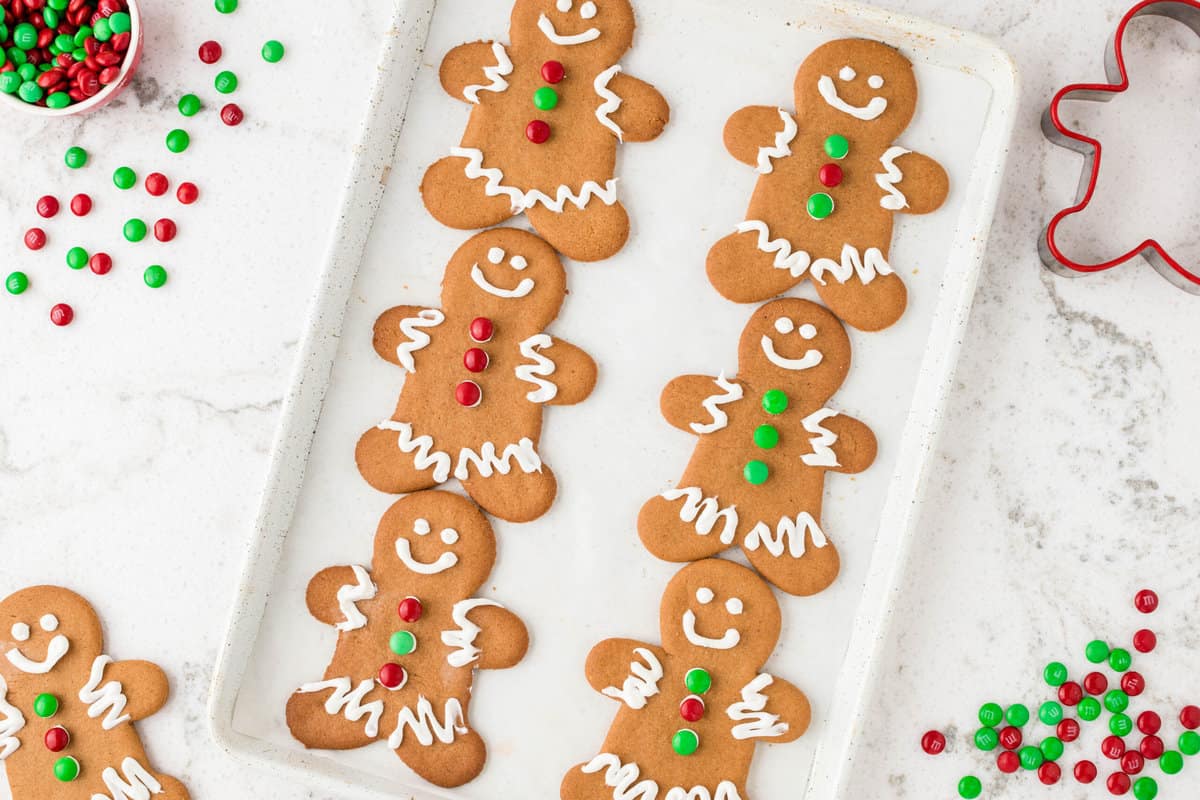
[
  {"x": 1120, "y": 660},
  {"x": 178, "y": 140},
  {"x": 1189, "y": 717},
  {"x": 969, "y": 787},
  {"x": 933, "y": 742},
  {"x": 1171, "y": 762},
  {"x": 1116, "y": 701},
  {"x": 1133, "y": 683},
  {"x": 1049, "y": 773},
  {"x": 232, "y": 115},
  {"x": 187, "y": 193},
  {"x": 16, "y": 283},
  {"x": 1008, "y": 762},
  {"x": 1085, "y": 772},
  {"x": 134, "y": 230},
  {"x": 1068, "y": 730},
  {"x": 1118, "y": 783},
  {"x": 1010, "y": 738},
  {"x": 76, "y": 157},
  {"x": 1089, "y": 709},
  {"x": 1055, "y": 674},
  {"x": 157, "y": 184},
  {"x": 1070, "y": 693},
  {"x": 35, "y": 238},
  {"x": 1132, "y": 762},
  {"x": 1017, "y": 715},
  {"x": 1050, "y": 713},
  {"x": 1096, "y": 651},
  {"x": 272, "y": 52},
  {"x": 226, "y": 82},
  {"x": 1052, "y": 748},
  {"x": 47, "y": 207},
  {"x": 156, "y": 277},
  {"x": 990, "y": 714},
  {"x": 210, "y": 52},
  {"x": 1145, "y": 789},
  {"x": 189, "y": 105},
  {"x": 124, "y": 178},
  {"x": 1095, "y": 683},
  {"x": 62, "y": 314},
  {"x": 77, "y": 258},
  {"x": 101, "y": 263},
  {"x": 165, "y": 230},
  {"x": 1113, "y": 747},
  {"x": 226, "y": 6},
  {"x": 1031, "y": 757},
  {"x": 1152, "y": 748},
  {"x": 1149, "y": 722},
  {"x": 1146, "y": 601},
  {"x": 81, "y": 205},
  {"x": 1120, "y": 725},
  {"x": 986, "y": 739},
  {"x": 1144, "y": 641}
]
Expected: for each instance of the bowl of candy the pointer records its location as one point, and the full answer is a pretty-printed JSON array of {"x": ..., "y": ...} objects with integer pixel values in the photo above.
[{"x": 64, "y": 57}]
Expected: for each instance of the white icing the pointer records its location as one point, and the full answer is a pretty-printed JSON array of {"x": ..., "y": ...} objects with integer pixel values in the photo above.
[
  {"x": 782, "y": 147},
  {"x": 611, "y": 101},
  {"x": 588, "y": 10},
  {"x": 728, "y": 640},
  {"x": 55, "y": 650},
  {"x": 799, "y": 262},
  {"x": 755, "y": 722},
  {"x": 495, "y": 75},
  {"x": 642, "y": 682},
  {"x": 12, "y": 722},
  {"x": 521, "y": 200},
  {"x": 522, "y": 289},
  {"x": 137, "y": 783},
  {"x": 348, "y": 597},
  {"x": 891, "y": 175},
  {"x": 462, "y": 639},
  {"x": 623, "y": 779},
  {"x": 518, "y": 263},
  {"x": 847, "y": 74},
  {"x": 496, "y": 255},
  {"x": 442, "y": 563},
  {"x": 785, "y": 326},
  {"x": 704, "y": 512},
  {"x": 822, "y": 439},
  {"x": 48, "y": 623},
  {"x": 541, "y": 368},
  {"x": 731, "y": 393},
  {"x": 548, "y": 30},
  {"x": 808, "y": 331},
  {"x": 564, "y": 5},
  {"x": 20, "y": 632},
  {"x": 486, "y": 461},
  {"x": 867, "y": 113},
  {"x": 109, "y": 699},
  {"x": 350, "y": 703},
  {"x": 875, "y": 81},
  {"x": 416, "y": 339},
  {"x": 704, "y": 595},
  {"x": 449, "y": 536},
  {"x": 794, "y": 531},
  {"x": 424, "y": 456},
  {"x": 425, "y": 725},
  {"x": 810, "y": 359},
  {"x": 421, "y": 527},
  {"x": 734, "y": 606}
]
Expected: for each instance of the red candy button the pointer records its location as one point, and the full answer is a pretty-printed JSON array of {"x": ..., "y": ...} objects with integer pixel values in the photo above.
[
  {"x": 553, "y": 72},
  {"x": 537, "y": 132},
  {"x": 831, "y": 175},
  {"x": 57, "y": 739},
  {"x": 468, "y": 394},
  {"x": 47, "y": 206},
  {"x": 1132, "y": 762},
  {"x": 1118, "y": 783},
  {"x": 1146, "y": 601},
  {"x": 1010, "y": 738},
  {"x": 1133, "y": 683},
  {"x": 157, "y": 184},
  {"x": 482, "y": 330},
  {"x": 410, "y": 609},
  {"x": 1070, "y": 693},
  {"x": 187, "y": 193},
  {"x": 1144, "y": 641},
  {"x": 392, "y": 676},
  {"x": 62, "y": 314},
  {"x": 475, "y": 360},
  {"x": 1008, "y": 761},
  {"x": 1189, "y": 717},
  {"x": 692, "y": 708},
  {"x": 1049, "y": 773},
  {"x": 232, "y": 115},
  {"x": 1112, "y": 747},
  {"x": 1149, "y": 722},
  {"x": 933, "y": 742},
  {"x": 210, "y": 52},
  {"x": 35, "y": 238},
  {"x": 1095, "y": 683},
  {"x": 101, "y": 263},
  {"x": 1085, "y": 772},
  {"x": 1151, "y": 748},
  {"x": 1068, "y": 730},
  {"x": 81, "y": 205},
  {"x": 165, "y": 230}
]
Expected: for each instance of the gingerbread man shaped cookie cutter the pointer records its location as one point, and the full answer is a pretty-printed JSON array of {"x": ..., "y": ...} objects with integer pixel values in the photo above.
[{"x": 1056, "y": 130}]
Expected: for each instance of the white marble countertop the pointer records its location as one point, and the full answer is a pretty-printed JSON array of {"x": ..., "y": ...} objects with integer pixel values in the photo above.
[{"x": 133, "y": 444}]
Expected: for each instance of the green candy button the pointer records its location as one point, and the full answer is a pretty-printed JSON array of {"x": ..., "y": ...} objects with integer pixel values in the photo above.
[
  {"x": 837, "y": 146},
  {"x": 66, "y": 769},
  {"x": 545, "y": 98},
  {"x": 766, "y": 436},
  {"x": 697, "y": 680},
  {"x": 775, "y": 402},
  {"x": 820, "y": 206},
  {"x": 685, "y": 742},
  {"x": 402, "y": 643},
  {"x": 45, "y": 705},
  {"x": 756, "y": 473}
]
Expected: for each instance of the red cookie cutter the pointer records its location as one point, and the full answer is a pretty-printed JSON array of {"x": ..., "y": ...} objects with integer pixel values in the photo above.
[{"x": 1186, "y": 12}]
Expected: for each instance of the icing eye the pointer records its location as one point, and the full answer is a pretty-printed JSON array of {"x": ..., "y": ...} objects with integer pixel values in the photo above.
[
  {"x": 518, "y": 263},
  {"x": 734, "y": 606},
  {"x": 449, "y": 536},
  {"x": 847, "y": 74},
  {"x": 808, "y": 331},
  {"x": 587, "y": 10},
  {"x": 421, "y": 527},
  {"x": 20, "y": 632},
  {"x": 564, "y": 5},
  {"x": 49, "y": 623},
  {"x": 875, "y": 81},
  {"x": 784, "y": 325},
  {"x": 495, "y": 255},
  {"x": 704, "y": 595}
]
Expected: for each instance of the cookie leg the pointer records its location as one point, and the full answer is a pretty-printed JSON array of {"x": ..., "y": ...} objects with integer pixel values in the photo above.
[
  {"x": 317, "y": 729},
  {"x": 387, "y": 468},
  {"x": 743, "y": 273},
  {"x": 580, "y": 785},
  {"x": 593, "y": 233},
  {"x": 456, "y": 201},
  {"x": 805, "y": 576},
  {"x": 171, "y": 789},
  {"x": 669, "y": 532},
  {"x": 871, "y": 307},
  {"x": 445, "y": 765},
  {"x": 516, "y": 497}
]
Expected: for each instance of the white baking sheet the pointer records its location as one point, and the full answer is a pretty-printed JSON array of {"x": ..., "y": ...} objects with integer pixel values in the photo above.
[{"x": 579, "y": 574}]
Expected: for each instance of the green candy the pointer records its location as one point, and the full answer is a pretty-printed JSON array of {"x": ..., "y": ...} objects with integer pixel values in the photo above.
[
  {"x": 820, "y": 206},
  {"x": 685, "y": 742},
  {"x": 756, "y": 473},
  {"x": 1089, "y": 709},
  {"x": 76, "y": 157},
  {"x": 402, "y": 642},
  {"x": 1116, "y": 701},
  {"x": 45, "y": 705},
  {"x": 1189, "y": 743},
  {"x": 1052, "y": 748},
  {"x": 66, "y": 769},
  {"x": 697, "y": 680},
  {"x": 3, "y": 35},
  {"x": 1031, "y": 757},
  {"x": 1171, "y": 762},
  {"x": 1120, "y": 660},
  {"x": 77, "y": 258},
  {"x": 28, "y": 72},
  {"x": 50, "y": 17},
  {"x": 134, "y": 230},
  {"x": 58, "y": 100},
  {"x": 189, "y": 105},
  {"x": 969, "y": 788},
  {"x": 17, "y": 55},
  {"x": 25, "y": 36},
  {"x": 226, "y": 82},
  {"x": 226, "y": 6},
  {"x": 986, "y": 739},
  {"x": 837, "y": 147},
  {"x": 124, "y": 178},
  {"x": 156, "y": 277},
  {"x": 79, "y": 54},
  {"x": 766, "y": 437},
  {"x": 1145, "y": 789},
  {"x": 1096, "y": 651},
  {"x": 272, "y": 52},
  {"x": 1055, "y": 674},
  {"x": 178, "y": 140},
  {"x": 103, "y": 30},
  {"x": 775, "y": 402},
  {"x": 65, "y": 42},
  {"x": 1120, "y": 725},
  {"x": 16, "y": 283},
  {"x": 545, "y": 98},
  {"x": 58, "y": 5},
  {"x": 10, "y": 82},
  {"x": 1050, "y": 713},
  {"x": 1017, "y": 715},
  {"x": 82, "y": 35},
  {"x": 991, "y": 714},
  {"x": 30, "y": 92},
  {"x": 120, "y": 22}
]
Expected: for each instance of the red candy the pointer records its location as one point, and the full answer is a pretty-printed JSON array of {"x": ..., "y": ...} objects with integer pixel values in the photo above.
[
  {"x": 1151, "y": 748},
  {"x": 1118, "y": 783},
  {"x": 165, "y": 230},
  {"x": 468, "y": 394},
  {"x": 1085, "y": 772},
  {"x": 210, "y": 52},
  {"x": 1113, "y": 747},
  {"x": 482, "y": 330},
  {"x": 538, "y": 132},
  {"x": 1070, "y": 693},
  {"x": 35, "y": 238},
  {"x": 933, "y": 742},
  {"x": 81, "y": 205},
  {"x": 157, "y": 184},
  {"x": 1149, "y": 722},
  {"x": 691, "y": 709},
  {"x": 475, "y": 360},
  {"x": 410, "y": 609},
  {"x": 1144, "y": 641},
  {"x": 1008, "y": 761},
  {"x": 101, "y": 263},
  {"x": 392, "y": 676},
  {"x": 1010, "y": 738},
  {"x": 1068, "y": 730},
  {"x": 1146, "y": 601},
  {"x": 57, "y": 739},
  {"x": 831, "y": 175},
  {"x": 1132, "y": 762},
  {"x": 62, "y": 314},
  {"x": 1133, "y": 683},
  {"x": 1189, "y": 717},
  {"x": 1049, "y": 773},
  {"x": 232, "y": 115},
  {"x": 553, "y": 72},
  {"x": 1095, "y": 683},
  {"x": 187, "y": 193},
  {"x": 47, "y": 206}
]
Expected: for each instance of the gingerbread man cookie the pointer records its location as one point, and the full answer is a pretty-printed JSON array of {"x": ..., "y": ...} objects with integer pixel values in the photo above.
[
  {"x": 692, "y": 710},
  {"x": 411, "y": 634},
  {"x": 481, "y": 370},
  {"x": 67, "y": 709},
  {"x": 831, "y": 180},
  {"x": 549, "y": 111},
  {"x": 757, "y": 476}
]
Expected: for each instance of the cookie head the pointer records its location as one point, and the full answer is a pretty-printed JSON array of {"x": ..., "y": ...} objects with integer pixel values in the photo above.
[
  {"x": 723, "y": 610},
  {"x": 857, "y": 86},
  {"x": 43, "y": 626},
  {"x": 434, "y": 539},
  {"x": 599, "y": 30},
  {"x": 796, "y": 346},
  {"x": 506, "y": 274}
]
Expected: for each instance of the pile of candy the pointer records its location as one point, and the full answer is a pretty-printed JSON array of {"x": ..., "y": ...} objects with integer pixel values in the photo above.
[
  {"x": 1090, "y": 698},
  {"x": 59, "y": 52}
]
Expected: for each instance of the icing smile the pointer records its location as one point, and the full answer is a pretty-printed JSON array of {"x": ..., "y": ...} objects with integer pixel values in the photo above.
[
  {"x": 442, "y": 563},
  {"x": 807, "y": 332},
  {"x": 496, "y": 256},
  {"x": 548, "y": 30},
  {"x": 727, "y": 641},
  {"x": 55, "y": 650},
  {"x": 867, "y": 113}
]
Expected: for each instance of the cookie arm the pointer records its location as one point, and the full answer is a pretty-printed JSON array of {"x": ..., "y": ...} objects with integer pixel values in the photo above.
[
  {"x": 401, "y": 331},
  {"x": 856, "y": 445},
  {"x": 321, "y": 596},
  {"x": 792, "y": 707},
  {"x": 753, "y": 129},
  {"x": 144, "y": 684},
  {"x": 468, "y": 65},
  {"x": 574, "y": 373},
  {"x": 503, "y": 637},
  {"x": 682, "y": 401},
  {"x": 644, "y": 112},
  {"x": 925, "y": 184},
  {"x": 609, "y": 662}
]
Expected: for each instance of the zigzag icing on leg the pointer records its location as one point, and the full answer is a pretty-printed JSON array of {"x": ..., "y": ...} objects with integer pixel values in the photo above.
[
  {"x": 790, "y": 532},
  {"x": 866, "y": 266},
  {"x": 704, "y": 512},
  {"x": 424, "y": 456},
  {"x": 521, "y": 200}
]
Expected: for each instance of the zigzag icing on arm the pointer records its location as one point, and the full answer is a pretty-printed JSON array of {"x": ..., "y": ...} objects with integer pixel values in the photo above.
[
  {"x": 109, "y": 699},
  {"x": 758, "y": 723},
  {"x": 611, "y": 101},
  {"x": 136, "y": 784},
  {"x": 487, "y": 462},
  {"x": 792, "y": 532},
  {"x": 494, "y": 74},
  {"x": 521, "y": 200},
  {"x": 731, "y": 393},
  {"x": 463, "y": 639},
  {"x": 541, "y": 368},
  {"x": 426, "y": 726},
  {"x": 623, "y": 779},
  {"x": 704, "y": 512},
  {"x": 417, "y": 339},
  {"x": 642, "y": 682},
  {"x": 425, "y": 457},
  {"x": 12, "y": 722},
  {"x": 348, "y": 597},
  {"x": 349, "y": 702},
  {"x": 887, "y": 180},
  {"x": 782, "y": 147},
  {"x": 822, "y": 439}
]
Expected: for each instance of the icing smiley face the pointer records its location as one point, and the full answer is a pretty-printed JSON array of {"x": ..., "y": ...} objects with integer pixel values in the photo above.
[
  {"x": 795, "y": 346},
  {"x": 852, "y": 83},
  {"x": 496, "y": 257},
  {"x": 786, "y": 326},
  {"x": 601, "y": 29},
  {"x": 720, "y": 609},
  {"x": 45, "y": 630},
  {"x": 829, "y": 92},
  {"x": 55, "y": 645},
  {"x": 587, "y": 11},
  {"x": 727, "y": 640},
  {"x": 509, "y": 275},
  {"x": 447, "y": 559},
  {"x": 433, "y": 538}
]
